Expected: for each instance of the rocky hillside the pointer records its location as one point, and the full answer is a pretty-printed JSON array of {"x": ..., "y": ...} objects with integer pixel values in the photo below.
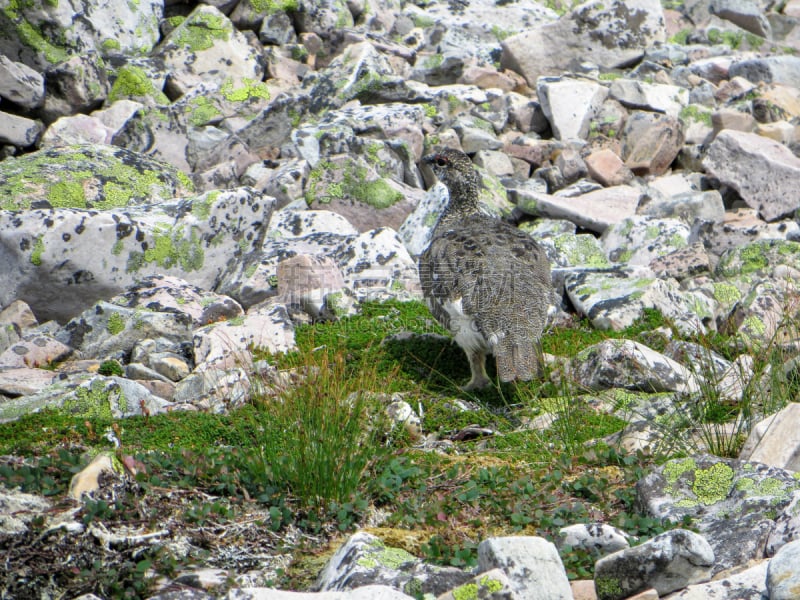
[{"x": 182, "y": 183}]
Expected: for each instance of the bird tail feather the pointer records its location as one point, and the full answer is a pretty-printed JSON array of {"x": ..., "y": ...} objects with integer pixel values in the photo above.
[{"x": 516, "y": 361}]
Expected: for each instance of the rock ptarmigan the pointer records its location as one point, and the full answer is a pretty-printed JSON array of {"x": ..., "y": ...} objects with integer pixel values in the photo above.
[{"x": 485, "y": 280}]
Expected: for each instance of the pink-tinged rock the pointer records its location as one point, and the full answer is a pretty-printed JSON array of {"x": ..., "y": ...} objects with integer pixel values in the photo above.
[
  {"x": 34, "y": 351},
  {"x": 22, "y": 381},
  {"x": 607, "y": 168},
  {"x": 651, "y": 142},
  {"x": 765, "y": 173}
]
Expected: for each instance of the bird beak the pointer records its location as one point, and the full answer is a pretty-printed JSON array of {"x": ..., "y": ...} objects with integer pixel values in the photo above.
[{"x": 429, "y": 159}]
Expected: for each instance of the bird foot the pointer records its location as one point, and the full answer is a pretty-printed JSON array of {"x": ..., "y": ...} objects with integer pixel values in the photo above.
[{"x": 475, "y": 384}]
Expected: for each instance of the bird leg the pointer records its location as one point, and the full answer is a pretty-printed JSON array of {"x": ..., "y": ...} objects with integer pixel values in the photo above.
[{"x": 477, "y": 364}]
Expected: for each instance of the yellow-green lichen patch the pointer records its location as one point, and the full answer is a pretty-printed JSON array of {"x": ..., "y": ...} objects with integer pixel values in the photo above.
[
  {"x": 94, "y": 401},
  {"x": 170, "y": 248},
  {"x": 675, "y": 468},
  {"x": 250, "y": 88},
  {"x": 116, "y": 323},
  {"x": 712, "y": 485},
  {"x": 272, "y": 6},
  {"x": 381, "y": 555},
  {"x": 580, "y": 250},
  {"x": 134, "y": 82},
  {"x": 726, "y": 294},
  {"x": 36, "y": 251},
  {"x": 202, "y": 111},
  {"x": 200, "y": 31}
]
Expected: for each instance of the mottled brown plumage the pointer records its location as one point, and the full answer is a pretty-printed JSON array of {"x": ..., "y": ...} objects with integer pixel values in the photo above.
[{"x": 484, "y": 279}]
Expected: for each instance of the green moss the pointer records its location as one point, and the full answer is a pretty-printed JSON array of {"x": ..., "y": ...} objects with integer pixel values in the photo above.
[
  {"x": 681, "y": 37},
  {"x": 116, "y": 323},
  {"x": 116, "y": 249},
  {"x": 733, "y": 39},
  {"x": 201, "y": 31},
  {"x": 433, "y": 61},
  {"x": 608, "y": 587},
  {"x": 712, "y": 485},
  {"x": 273, "y": 6},
  {"x": 36, "y": 252},
  {"x": 32, "y": 36},
  {"x": 430, "y": 110},
  {"x": 609, "y": 76},
  {"x": 376, "y": 193}
]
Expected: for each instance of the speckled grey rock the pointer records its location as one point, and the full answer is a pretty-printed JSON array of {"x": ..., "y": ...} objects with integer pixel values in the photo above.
[
  {"x": 633, "y": 366},
  {"x": 765, "y": 173},
  {"x": 667, "y": 562},
  {"x": 609, "y": 35},
  {"x": 599, "y": 538},
  {"x": 199, "y": 239}
]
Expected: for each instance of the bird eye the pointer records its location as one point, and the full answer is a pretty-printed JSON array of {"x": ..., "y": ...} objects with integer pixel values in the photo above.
[{"x": 441, "y": 161}]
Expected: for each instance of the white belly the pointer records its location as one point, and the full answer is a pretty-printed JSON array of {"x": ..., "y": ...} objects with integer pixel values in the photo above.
[{"x": 465, "y": 330}]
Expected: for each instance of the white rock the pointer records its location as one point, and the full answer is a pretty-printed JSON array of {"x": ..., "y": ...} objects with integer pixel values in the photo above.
[
  {"x": 776, "y": 439},
  {"x": 532, "y": 564},
  {"x": 570, "y": 105},
  {"x": 783, "y": 573}
]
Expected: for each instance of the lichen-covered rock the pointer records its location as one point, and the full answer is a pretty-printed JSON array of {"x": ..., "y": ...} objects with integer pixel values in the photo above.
[
  {"x": 608, "y": 34},
  {"x": 638, "y": 240},
  {"x": 87, "y": 176},
  {"x": 103, "y": 27},
  {"x": 227, "y": 344},
  {"x": 109, "y": 330},
  {"x": 614, "y": 299},
  {"x": 99, "y": 254},
  {"x": 206, "y": 47},
  {"x": 633, "y": 366},
  {"x": 365, "y": 559},
  {"x": 733, "y": 503},
  {"x": 377, "y": 266},
  {"x": 668, "y": 562},
  {"x": 92, "y": 397}
]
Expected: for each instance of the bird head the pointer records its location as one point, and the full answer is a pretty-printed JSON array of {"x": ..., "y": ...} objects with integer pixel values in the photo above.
[{"x": 454, "y": 169}]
